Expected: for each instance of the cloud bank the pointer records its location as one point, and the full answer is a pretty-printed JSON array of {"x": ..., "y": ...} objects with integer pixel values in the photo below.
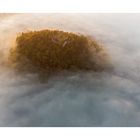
[{"x": 74, "y": 99}]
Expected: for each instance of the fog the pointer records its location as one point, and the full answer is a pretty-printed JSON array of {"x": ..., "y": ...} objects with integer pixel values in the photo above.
[{"x": 110, "y": 98}]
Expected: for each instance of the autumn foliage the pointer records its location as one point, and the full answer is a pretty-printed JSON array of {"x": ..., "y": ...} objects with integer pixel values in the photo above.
[{"x": 54, "y": 51}]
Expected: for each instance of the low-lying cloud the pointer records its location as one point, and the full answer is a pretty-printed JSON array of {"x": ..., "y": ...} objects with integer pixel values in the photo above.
[{"x": 74, "y": 99}]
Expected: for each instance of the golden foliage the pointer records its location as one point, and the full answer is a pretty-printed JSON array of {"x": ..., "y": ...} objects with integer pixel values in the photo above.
[{"x": 53, "y": 51}]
